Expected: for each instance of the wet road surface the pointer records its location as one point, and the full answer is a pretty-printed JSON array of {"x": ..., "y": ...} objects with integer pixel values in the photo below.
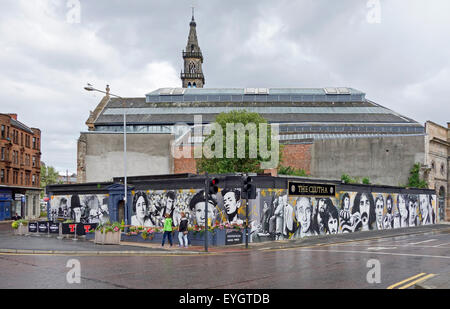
[{"x": 341, "y": 266}]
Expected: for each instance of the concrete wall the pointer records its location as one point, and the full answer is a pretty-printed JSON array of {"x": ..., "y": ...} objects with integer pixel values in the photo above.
[
  {"x": 100, "y": 156},
  {"x": 385, "y": 160}
]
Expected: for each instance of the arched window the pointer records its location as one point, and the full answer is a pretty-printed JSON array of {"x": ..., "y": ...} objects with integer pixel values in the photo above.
[
  {"x": 192, "y": 48},
  {"x": 189, "y": 85},
  {"x": 192, "y": 68},
  {"x": 194, "y": 85}
]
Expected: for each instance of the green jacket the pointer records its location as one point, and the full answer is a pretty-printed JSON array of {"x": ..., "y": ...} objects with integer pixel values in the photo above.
[{"x": 168, "y": 225}]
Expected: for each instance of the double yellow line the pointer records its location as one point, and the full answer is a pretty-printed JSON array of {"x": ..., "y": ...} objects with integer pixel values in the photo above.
[{"x": 420, "y": 277}]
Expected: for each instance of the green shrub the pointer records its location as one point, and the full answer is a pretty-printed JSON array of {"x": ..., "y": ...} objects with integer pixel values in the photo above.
[{"x": 289, "y": 171}]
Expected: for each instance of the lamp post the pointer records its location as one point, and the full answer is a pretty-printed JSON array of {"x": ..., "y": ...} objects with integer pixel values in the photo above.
[{"x": 89, "y": 87}]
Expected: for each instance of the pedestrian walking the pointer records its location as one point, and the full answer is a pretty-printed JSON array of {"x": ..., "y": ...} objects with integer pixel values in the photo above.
[
  {"x": 183, "y": 231},
  {"x": 167, "y": 230}
]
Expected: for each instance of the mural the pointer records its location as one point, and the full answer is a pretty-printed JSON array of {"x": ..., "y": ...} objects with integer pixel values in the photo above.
[
  {"x": 272, "y": 216},
  {"x": 90, "y": 208},
  {"x": 282, "y": 217},
  {"x": 150, "y": 207}
]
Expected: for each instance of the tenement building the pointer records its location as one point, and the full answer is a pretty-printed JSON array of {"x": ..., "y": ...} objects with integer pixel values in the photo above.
[
  {"x": 326, "y": 131},
  {"x": 20, "y": 168}
]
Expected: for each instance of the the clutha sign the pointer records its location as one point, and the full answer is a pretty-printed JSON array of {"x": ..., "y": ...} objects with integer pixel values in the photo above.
[{"x": 311, "y": 189}]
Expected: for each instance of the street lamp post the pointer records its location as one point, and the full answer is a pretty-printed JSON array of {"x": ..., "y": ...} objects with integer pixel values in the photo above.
[{"x": 89, "y": 87}]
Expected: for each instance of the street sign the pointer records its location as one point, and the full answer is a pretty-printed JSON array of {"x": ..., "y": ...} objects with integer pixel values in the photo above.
[
  {"x": 233, "y": 237},
  {"x": 311, "y": 189}
]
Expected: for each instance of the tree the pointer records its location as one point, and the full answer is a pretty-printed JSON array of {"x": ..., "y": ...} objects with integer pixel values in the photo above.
[
  {"x": 240, "y": 142},
  {"x": 414, "y": 180},
  {"x": 49, "y": 176}
]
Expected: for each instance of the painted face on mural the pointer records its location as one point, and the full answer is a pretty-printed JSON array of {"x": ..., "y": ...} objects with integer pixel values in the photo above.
[
  {"x": 333, "y": 225},
  {"x": 412, "y": 203},
  {"x": 200, "y": 213},
  {"x": 169, "y": 204},
  {"x": 304, "y": 213},
  {"x": 229, "y": 202},
  {"x": 77, "y": 214},
  {"x": 364, "y": 207},
  {"x": 379, "y": 207},
  {"x": 346, "y": 203},
  {"x": 402, "y": 207},
  {"x": 424, "y": 206},
  {"x": 93, "y": 203},
  {"x": 141, "y": 208},
  {"x": 389, "y": 205}
]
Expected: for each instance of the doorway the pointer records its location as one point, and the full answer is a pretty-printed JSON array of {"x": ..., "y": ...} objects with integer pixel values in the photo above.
[{"x": 121, "y": 211}]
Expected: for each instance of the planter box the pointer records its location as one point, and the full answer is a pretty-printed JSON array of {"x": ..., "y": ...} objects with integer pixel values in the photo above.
[
  {"x": 21, "y": 230},
  {"x": 109, "y": 238},
  {"x": 218, "y": 238},
  {"x": 157, "y": 238}
]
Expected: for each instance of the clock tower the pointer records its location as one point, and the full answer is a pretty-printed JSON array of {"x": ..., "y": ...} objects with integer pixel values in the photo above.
[{"x": 192, "y": 77}]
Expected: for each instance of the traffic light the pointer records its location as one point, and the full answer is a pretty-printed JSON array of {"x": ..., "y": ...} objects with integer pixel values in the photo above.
[
  {"x": 213, "y": 188},
  {"x": 248, "y": 188}
]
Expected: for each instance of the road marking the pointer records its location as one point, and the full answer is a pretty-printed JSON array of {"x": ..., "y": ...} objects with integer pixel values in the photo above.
[
  {"x": 421, "y": 242},
  {"x": 448, "y": 243},
  {"x": 404, "y": 281},
  {"x": 371, "y": 252},
  {"x": 417, "y": 281},
  {"x": 380, "y": 248}
]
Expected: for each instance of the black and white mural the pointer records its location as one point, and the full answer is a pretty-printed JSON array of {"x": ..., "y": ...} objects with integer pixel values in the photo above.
[
  {"x": 150, "y": 207},
  {"x": 89, "y": 208},
  {"x": 274, "y": 215}
]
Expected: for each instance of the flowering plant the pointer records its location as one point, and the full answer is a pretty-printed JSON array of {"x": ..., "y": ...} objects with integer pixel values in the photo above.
[{"x": 108, "y": 227}]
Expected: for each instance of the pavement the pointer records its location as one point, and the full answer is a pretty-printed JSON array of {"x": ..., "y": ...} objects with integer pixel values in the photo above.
[
  {"x": 36, "y": 244},
  {"x": 41, "y": 245}
]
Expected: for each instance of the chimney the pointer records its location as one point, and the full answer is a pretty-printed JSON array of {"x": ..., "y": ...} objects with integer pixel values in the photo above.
[
  {"x": 13, "y": 116},
  {"x": 107, "y": 90}
]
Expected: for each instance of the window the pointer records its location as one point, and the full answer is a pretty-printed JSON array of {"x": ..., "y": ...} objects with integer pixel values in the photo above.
[
  {"x": 2, "y": 176},
  {"x": 21, "y": 178},
  {"x": 3, "y": 154},
  {"x": 7, "y": 175},
  {"x": 34, "y": 142},
  {"x": 21, "y": 139},
  {"x": 3, "y": 131},
  {"x": 33, "y": 180},
  {"x": 442, "y": 169}
]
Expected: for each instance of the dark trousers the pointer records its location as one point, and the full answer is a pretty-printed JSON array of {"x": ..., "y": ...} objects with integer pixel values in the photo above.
[{"x": 167, "y": 234}]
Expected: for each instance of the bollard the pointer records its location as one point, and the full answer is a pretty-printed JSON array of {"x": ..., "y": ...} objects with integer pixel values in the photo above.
[
  {"x": 76, "y": 227},
  {"x": 48, "y": 230},
  {"x": 60, "y": 236}
]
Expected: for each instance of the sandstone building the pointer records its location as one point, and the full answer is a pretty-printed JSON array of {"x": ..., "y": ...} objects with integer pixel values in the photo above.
[{"x": 20, "y": 168}]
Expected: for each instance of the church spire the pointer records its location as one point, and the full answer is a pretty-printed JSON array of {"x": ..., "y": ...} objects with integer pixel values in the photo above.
[{"x": 192, "y": 77}]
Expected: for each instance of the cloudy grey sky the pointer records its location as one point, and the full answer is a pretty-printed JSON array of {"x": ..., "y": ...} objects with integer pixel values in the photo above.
[{"x": 46, "y": 56}]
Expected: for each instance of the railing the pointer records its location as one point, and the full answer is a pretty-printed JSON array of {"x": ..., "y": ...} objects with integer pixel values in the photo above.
[
  {"x": 192, "y": 55},
  {"x": 192, "y": 75}
]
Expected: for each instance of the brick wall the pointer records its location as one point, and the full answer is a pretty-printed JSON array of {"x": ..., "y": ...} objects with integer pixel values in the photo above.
[
  {"x": 297, "y": 156},
  {"x": 185, "y": 165}
]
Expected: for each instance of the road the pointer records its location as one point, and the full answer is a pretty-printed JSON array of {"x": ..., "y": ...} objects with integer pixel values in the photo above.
[{"x": 401, "y": 260}]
